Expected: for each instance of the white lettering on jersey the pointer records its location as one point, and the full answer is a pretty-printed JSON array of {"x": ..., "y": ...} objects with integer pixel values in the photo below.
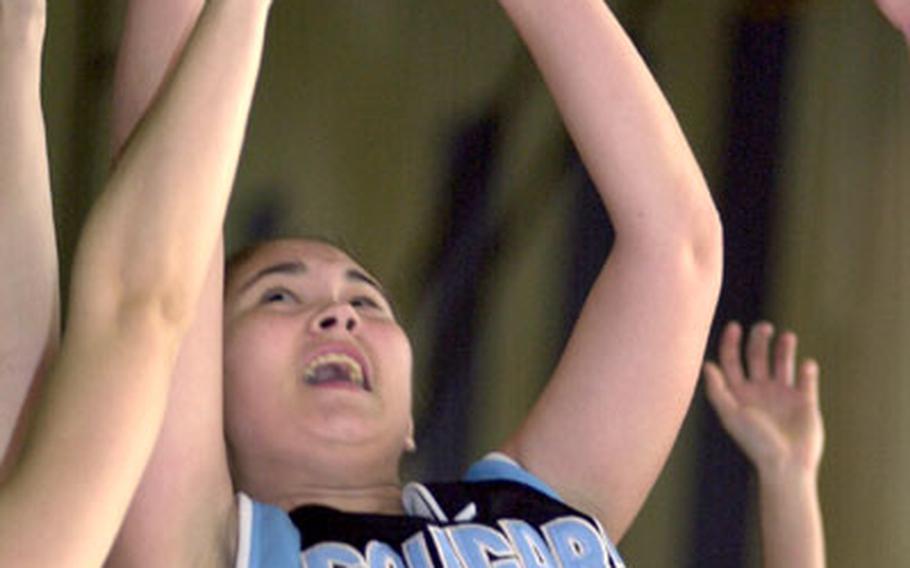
[{"x": 566, "y": 542}]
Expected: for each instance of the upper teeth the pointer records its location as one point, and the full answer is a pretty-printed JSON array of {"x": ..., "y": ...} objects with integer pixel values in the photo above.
[{"x": 355, "y": 371}]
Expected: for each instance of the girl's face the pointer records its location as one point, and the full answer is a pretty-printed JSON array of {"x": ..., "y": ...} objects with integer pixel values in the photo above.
[{"x": 315, "y": 362}]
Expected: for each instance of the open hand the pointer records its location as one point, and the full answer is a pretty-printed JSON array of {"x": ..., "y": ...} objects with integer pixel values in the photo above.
[{"x": 771, "y": 411}]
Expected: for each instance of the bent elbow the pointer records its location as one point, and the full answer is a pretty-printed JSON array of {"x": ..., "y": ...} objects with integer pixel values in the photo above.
[
  {"x": 692, "y": 237},
  {"x": 707, "y": 244}
]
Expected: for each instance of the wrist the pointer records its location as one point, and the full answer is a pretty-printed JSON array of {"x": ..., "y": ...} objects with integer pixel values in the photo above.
[
  {"x": 787, "y": 478},
  {"x": 791, "y": 522}
]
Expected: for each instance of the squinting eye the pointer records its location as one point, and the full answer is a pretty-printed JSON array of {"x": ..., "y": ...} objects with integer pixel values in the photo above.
[
  {"x": 364, "y": 302},
  {"x": 279, "y": 295}
]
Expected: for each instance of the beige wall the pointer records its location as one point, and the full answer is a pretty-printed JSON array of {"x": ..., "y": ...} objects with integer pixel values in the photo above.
[{"x": 844, "y": 278}]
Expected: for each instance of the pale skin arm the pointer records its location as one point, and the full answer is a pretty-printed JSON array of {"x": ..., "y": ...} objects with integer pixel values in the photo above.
[
  {"x": 138, "y": 272},
  {"x": 154, "y": 35},
  {"x": 772, "y": 412},
  {"x": 186, "y": 486},
  {"x": 897, "y": 12},
  {"x": 29, "y": 297},
  {"x": 605, "y": 424}
]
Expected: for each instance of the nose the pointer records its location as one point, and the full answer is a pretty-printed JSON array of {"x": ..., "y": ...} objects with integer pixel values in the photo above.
[{"x": 335, "y": 317}]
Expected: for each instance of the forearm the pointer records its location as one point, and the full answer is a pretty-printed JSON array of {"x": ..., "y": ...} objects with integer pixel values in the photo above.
[
  {"x": 620, "y": 122},
  {"x": 29, "y": 303},
  {"x": 167, "y": 197},
  {"x": 154, "y": 34},
  {"x": 791, "y": 521}
]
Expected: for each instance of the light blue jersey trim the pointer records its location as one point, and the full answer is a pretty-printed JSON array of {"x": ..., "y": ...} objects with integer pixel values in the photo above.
[
  {"x": 497, "y": 466},
  {"x": 271, "y": 539}
]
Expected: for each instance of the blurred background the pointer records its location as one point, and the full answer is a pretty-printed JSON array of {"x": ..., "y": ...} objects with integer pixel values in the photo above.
[{"x": 419, "y": 136}]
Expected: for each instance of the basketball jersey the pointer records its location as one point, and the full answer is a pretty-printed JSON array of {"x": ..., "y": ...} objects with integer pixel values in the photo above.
[{"x": 498, "y": 514}]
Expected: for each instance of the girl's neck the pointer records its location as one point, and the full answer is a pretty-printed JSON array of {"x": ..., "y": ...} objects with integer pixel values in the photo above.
[
  {"x": 350, "y": 485},
  {"x": 374, "y": 499}
]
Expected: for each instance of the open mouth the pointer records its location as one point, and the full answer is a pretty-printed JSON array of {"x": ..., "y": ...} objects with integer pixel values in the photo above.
[{"x": 336, "y": 368}]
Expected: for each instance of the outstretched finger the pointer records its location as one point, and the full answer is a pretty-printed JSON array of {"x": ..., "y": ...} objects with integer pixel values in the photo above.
[
  {"x": 807, "y": 382},
  {"x": 785, "y": 358},
  {"x": 731, "y": 363},
  {"x": 719, "y": 394},
  {"x": 757, "y": 350}
]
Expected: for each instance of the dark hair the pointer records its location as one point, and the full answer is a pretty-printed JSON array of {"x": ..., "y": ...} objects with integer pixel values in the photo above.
[
  {"x": 234, "y": 260},
  {"x": 240, "y": 256}
]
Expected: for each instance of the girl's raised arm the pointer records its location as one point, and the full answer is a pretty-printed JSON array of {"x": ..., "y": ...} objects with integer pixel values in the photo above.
[
  {"x": 29, "y": 295},
  {"x": 604, "y": 425},
  {"x": 182, "y": 509},
  {"x": 138, "y": 273}
]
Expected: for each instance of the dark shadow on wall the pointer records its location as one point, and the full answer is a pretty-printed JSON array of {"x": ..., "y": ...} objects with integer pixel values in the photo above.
[{"x": 753, "y": 155}]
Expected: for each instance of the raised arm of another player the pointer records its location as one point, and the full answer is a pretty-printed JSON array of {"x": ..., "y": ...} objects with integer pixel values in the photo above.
[
  {"x": 605, "y": 424},
  {"x": 772, "y": 412},
  {"x": 29, "y": 296},
  {"x": 181, "y": 512},
  {"x": 139, "y": 268}
]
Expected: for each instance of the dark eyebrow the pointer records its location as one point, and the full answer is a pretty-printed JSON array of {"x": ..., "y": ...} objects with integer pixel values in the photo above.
[
  {"x": 298, "y": 267},
  {"x": 292, "y": 268},
  {"x": 360, "y": 276}
]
